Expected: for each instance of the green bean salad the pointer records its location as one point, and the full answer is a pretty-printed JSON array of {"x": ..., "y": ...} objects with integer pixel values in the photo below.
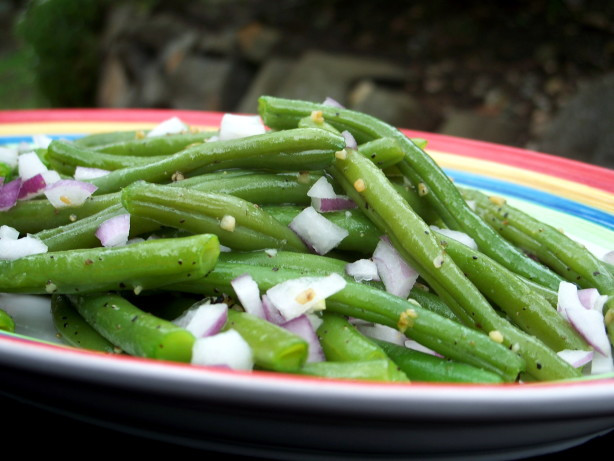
[{"x": 308, "y": 239}]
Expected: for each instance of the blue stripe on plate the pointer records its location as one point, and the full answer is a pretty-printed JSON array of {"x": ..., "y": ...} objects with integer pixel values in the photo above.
[
  {"x": 28, "y": 138},
  {"x": 534, "y": 195}
]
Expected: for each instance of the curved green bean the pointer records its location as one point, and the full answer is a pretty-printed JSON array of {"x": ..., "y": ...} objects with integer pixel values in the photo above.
[{"x": 154, "y": 146}]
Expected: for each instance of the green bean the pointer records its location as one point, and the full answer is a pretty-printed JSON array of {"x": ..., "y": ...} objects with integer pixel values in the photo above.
[
  {"x": 342, "y": 342},
  {"x": 73, "y": 328},
  {"x": 137, "y": 267},
  {"x": 443, "y": 335},
  {"x": 419, "y": 366},
  {"x": 300, "y": 149},
  {"x": 133, "y": 330},
  {"x": 237, "y": 223},
  {"x": 274, "y": 348},
  {"x": 370, "y": 370},
  {"x": 65, "y": 156},
  {"x": 439, "y": 190},
  {"x": 6, "y": 322},
  {"x": 156, "y": 145},
  {"x": 362, "y": 238},
  {"x": 384, "y": 152},
  {"x": 524, "y": 307},
  {"x": 415, "y": 242},
  {"x": 31, "y": 216}
]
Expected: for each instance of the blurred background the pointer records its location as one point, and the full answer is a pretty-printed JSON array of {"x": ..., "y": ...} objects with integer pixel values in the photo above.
[{"x": 535, "y": 74}]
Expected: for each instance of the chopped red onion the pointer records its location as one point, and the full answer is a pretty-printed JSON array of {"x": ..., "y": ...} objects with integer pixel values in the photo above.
[
  {"x": 397, "y": 275},
  {"x": 316, "y": 231},
  {"x": 350, "y": 141},
  {"x": 324, "y": 198},
  {"x": 32, "y": 187},
  {"x": 589, "y": 323},
  {"x": 9, "y": 193},
  {"x": 458, "y": 236},
  {"x": 29, "y": 165},
  {"x": 8, "y": 156},
  {"x": 271, "y": 313},
  {"x": 41, "y": 141},
  {"x": 203, "y": 319},
  {"x": 301, "y": 326},
  {"x": 227, "y": 349},
  {"x": 114, "y": 231},
  {"x": 383, "y": 333},
  {"x": 171, "y": 126},
  {"x": 416, "y": 346},
  {"x": 68, "y": 193},
  {"x": 296, "y": 297},
  {"x": 361, "y": 270},
  {"x": 84, "y": 173},
  {"x": 240, "y": 126},
  {"x": 591, "y": 299},
  {"x": 248, "y": 293},
  {"x": 11, "y": 249},
  {"x": 576, "y": 358},
  {"x": 8, "y": 233},
  {"x": 332, "y": 103}
]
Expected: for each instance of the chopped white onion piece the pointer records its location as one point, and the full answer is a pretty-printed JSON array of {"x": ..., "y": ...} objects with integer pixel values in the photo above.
[
  {"x": 324, "y": 198},
  {"x": 458, "y": 236},
  {"x": 589, "y": 323},
  {"x": 602, "y": 363},
  {"x": 321, "y": 189},
  {"x": 296, "y": 297},
  {"x": 29, "y": 165},
  {"x": 68, "y": 193},
  {"x": 316, "y": 231},
  {"x": 350, "y": 141},
  {"x": 591, "y": 299},
  {"x": 271, "y": 252},
  {"x": 576, "y": 358},
  {"x": 363, "y": 269},
  {"x": 416, "y": 346},
  {"x": 397, "y": 275},
  {"x": 332, "y": 103},
  {"x": 203, "y": 319},
  {"x": 41, "y": 141},
  {"x": 114, "y": 231},
  {"x": 609, "y": 257},
  {"x": 171, "y": 126},
  {"x": 13, "y": 249},
  {"x": 83, "y": 173},
  {"x": 301, "y": 326},
  {"x": 248, "y": 293},
  {"x": 383, "y": 333},
  {"x": 8, "y": 233},
  {"x": 227, "y": 349},
  {"x": 8, "y": 156},
  {"x": 240, "y": 126}
]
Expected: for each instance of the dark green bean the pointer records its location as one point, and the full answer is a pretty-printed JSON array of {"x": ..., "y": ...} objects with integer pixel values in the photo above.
[
  {"x": 133, "y": 330},
  {"x": 137, "y": 267},
  {"x": 73, "y": 328},
  {"x": 237, "y": 223},
  {"x": 300, "y": 149},
  {"x": 156, "y": 145}
]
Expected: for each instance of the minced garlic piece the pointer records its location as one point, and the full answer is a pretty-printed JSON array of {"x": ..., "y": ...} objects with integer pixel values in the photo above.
[
  {"x": 496, "y": 336},
  {"x": 438, "y": 261},
  {"x": 305, "y": 296},
  {"x": 422, "y": 189},
  {"x": 303, "y": 177},
  {"x": 341, "y": 154},
  {"x": 139, "y": 134},
  {"x": 497, "y": 200},
  {"x": 177, "y": 176},
  {"x": 406, "y": 319},
  {"x": 228, "y": 223},
  {"x": 359, "y": 185},
  {"x": 317, "y": 116}
]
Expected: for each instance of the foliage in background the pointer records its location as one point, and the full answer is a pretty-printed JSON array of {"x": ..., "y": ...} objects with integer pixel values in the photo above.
[{"x": 64, "y": 35}]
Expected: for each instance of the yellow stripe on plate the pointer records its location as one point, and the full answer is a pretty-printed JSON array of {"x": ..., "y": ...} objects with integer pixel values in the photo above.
[{"x": 562, "y": 187}]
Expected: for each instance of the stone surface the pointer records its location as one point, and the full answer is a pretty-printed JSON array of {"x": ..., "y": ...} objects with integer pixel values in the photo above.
[
  {"x": 480, "y": 125},
  {"x": 266, "y": 82},
  {"x": 584, "y": 128}
]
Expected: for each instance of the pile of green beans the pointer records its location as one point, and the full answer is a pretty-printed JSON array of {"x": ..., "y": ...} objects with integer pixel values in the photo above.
[{"x": 488, "y": 313}]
